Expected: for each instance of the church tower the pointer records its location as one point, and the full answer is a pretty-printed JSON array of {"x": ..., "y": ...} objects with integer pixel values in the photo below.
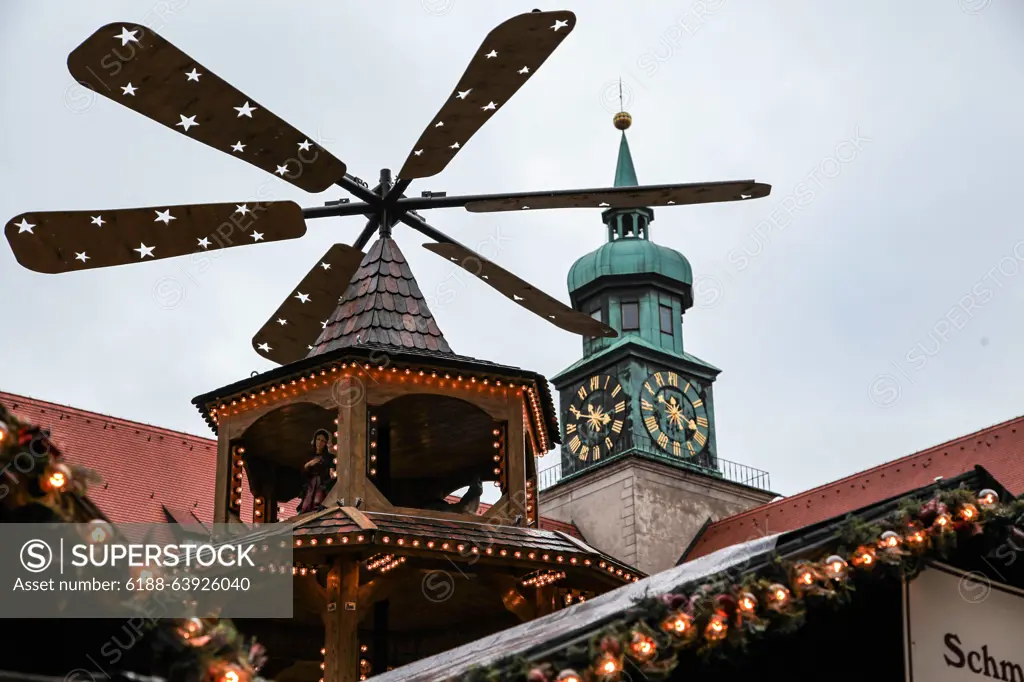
[{"x": 639, "y": 471}]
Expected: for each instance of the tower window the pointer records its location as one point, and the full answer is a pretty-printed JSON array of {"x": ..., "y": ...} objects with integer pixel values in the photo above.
[
  {"x": 596, "y": 314},
  {"x": 666, "y": 318},
  {"x": 630, "y": 316}
]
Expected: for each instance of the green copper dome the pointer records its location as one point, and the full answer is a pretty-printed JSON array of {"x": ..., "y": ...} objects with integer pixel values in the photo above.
[{"x": 629, "y": 256}]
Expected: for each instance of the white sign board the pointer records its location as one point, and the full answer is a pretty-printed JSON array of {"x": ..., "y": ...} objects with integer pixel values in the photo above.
[{"x": 962, "y": 627}]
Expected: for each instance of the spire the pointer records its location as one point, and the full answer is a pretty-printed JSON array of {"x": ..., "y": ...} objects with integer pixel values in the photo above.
[
  {"x": 625, "y": 174},
  {"x": 383, "y": 306},
  {"x": 625, "y": 222}
]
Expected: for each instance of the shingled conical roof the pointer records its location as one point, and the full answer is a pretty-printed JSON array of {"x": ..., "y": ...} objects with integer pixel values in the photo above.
[{"x": 382, "y": 307}]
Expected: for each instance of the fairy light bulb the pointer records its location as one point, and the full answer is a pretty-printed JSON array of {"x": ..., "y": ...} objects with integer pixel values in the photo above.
[
  {"x": 969, "y": 512},
  {"x": 890, "y": 540},
  {"x": 778, "y": 596},
  {"x": 836, "y": 567},
  {"x": 988, "y": 498},
  {"x": 717, "y": 628},
  {"x": 747, "y": 603},
  {"x": 864, "y": 557}
]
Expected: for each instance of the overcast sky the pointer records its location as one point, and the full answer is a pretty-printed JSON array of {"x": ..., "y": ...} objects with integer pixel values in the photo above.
[{"x": 893, "y": 128}]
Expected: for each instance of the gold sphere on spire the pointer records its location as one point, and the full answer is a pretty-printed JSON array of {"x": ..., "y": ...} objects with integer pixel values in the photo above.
[{"x": 622, "y": 120}]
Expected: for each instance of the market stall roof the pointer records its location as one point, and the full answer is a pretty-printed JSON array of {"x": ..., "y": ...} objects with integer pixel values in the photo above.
[
  {"x": 544, "y": 636},
  {"x": 996, "y": 448}
]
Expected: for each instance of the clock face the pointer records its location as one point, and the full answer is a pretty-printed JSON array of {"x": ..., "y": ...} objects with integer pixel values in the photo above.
[
  {"x": 595, "y": 417},
  {"x": 674, "y": 414}
]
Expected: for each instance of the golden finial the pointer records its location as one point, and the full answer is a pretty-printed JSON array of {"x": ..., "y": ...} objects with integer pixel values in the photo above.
[{"x": 622, "y": 120}]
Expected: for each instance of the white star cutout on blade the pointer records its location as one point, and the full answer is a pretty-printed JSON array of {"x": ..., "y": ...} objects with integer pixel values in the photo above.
[
  {"x": 418, "y": 152},
  {"x": 144, "y": 251},
  {"x": 325, "y": 266},
  {"x": 490, "y": 106},
  {"x": 25, "y": 226},
  {"x": 264, "y": 347},
  {"x": 525, "y": 70},
  {"x": 164, "y": 217},
  {"x": 245, "y": 110},
  {"x": 97, "y": 220},
  {"x": 81, "y": 256},
  {"x": 323, "y": 325},
  {"x": 193, "y": 75},
  {"x": 188, "y": 122},
  {"x": 281, "y": 321},
  {"x": 242, "y": 208},
  {"x": 281, "y": 170},
  {"x": 302, "y": 297},
  {"x": 454, "y": 145},
  {"x": 238, "y": 146},
  {"x": 559, "y": 24},
  {"x": 204, "y": 242},
  {"x": 304, "y": 146},
  {"x": 129, "y": 89},
  {"x": 256, "y": 236},
  {"x": 492, "y": 54},
  {"x": 127, "y": 36},
  {"x": 462, "y": 94}
]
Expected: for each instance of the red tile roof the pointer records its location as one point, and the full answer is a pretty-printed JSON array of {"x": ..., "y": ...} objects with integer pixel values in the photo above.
[
  {"x": 999, "y": 449},
  {"x": 150, "y": 474}
]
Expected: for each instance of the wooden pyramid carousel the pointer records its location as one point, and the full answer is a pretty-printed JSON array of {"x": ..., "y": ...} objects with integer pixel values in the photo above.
[{"x": 389, "y": 568}]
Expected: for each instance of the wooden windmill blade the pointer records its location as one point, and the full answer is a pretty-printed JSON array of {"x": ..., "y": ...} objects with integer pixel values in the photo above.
[
  {"x": 515, "y": 289},
  {"x": 296, "y": 324},
  {"x": 509, "y": 55},
  {"x": 521, "y": 292},
  {"x": 67, "y": 241},
  {"x": 624, "y": 197},
  {"x": 134, "y": 66}
]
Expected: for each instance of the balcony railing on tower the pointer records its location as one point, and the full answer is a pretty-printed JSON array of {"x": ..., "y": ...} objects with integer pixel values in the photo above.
[{"x": 730, "y": 471}]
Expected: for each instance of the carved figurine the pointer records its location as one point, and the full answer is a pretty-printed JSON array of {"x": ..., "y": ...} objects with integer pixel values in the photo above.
[{"x": 318, "y": 473}]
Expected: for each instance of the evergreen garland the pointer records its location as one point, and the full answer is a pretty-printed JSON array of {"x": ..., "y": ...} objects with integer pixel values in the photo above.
[
  {"x": 722, "y": 615},
  {"x": 37, "y": 485}
]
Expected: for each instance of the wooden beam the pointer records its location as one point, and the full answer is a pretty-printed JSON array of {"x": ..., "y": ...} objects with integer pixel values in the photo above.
[
  {"x": 515, "y": 602},
  {"x": 515, "y": 461},
  {"x": 351, "y": 468},
  {"x": 374, "y": 499},
  {"x": 341, "y": 622},
  {"x": 378, "y": 589},
  {"x": 220, "y": 496}
]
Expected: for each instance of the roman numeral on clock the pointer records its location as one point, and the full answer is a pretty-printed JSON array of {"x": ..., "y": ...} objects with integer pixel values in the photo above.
[
  {"x": 617, "y": 426},
  {"x": 700, "y": 437},
  {"x": 574, "y": 444},
  {"x": 662, "y": 440},
  {"x": 701, "y": 421},
  {"x": 582, "y": 393},
  {"x": 608, "y": 443},
  {"x": 651, "y": 423},
  {"x": 620, "y": 407},
  {"x": 595, "y": 382},
  {"x": 616, "y": 390}
]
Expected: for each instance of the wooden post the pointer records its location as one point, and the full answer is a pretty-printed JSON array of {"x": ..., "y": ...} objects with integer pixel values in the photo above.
[
  {"x": 221, "y": 495},
  {"x": 351, "y": 392},
  {"x": 341, "y": 622},
  {"x": 546, "y": 596},
  {"x": 515, "y": 460},
  {"x": 379, "y": 645}
]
